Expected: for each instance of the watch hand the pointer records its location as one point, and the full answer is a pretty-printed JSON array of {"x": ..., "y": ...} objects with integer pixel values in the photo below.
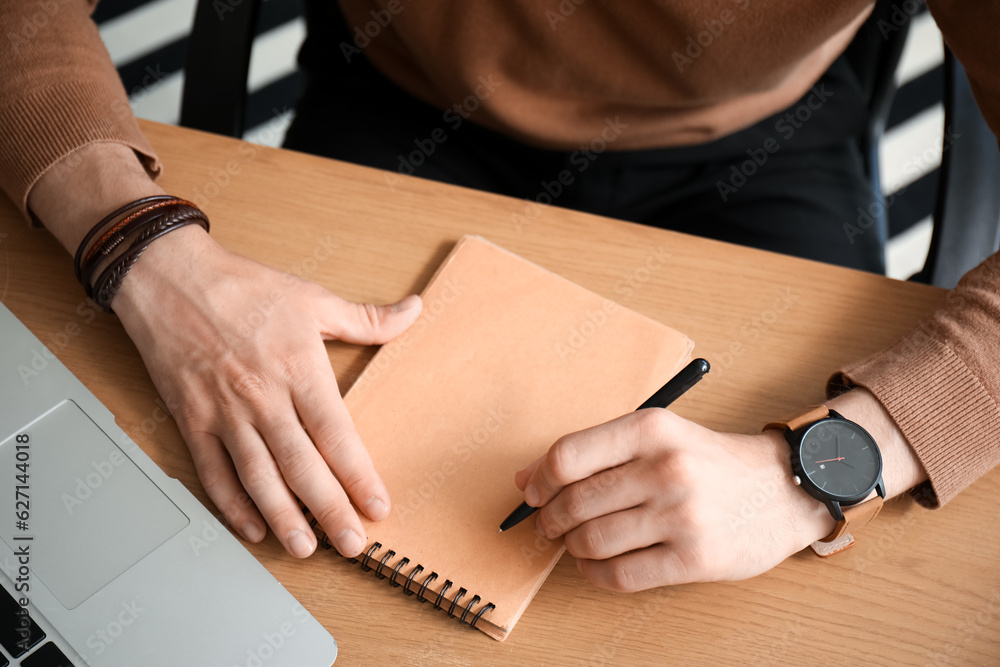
[
  {"x": 847, "y": 464},
  {"x": 839, "y": 458},
  {"x": 838, "y": 445}
]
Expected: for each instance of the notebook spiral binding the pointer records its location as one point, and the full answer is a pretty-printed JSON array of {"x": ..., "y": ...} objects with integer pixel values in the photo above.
[{"x": 410, "y": 586}]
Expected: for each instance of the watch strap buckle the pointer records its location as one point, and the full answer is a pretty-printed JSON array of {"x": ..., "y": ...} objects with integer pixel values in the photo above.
[{"x": 826, "y": 549}]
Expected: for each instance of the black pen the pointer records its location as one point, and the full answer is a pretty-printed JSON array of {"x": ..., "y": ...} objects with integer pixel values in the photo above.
[{"x": 667, "y": 394}]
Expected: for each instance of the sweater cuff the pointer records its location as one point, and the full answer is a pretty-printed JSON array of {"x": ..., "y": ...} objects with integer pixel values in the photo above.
[
  {"x": 940, "y": 406},
  {"x": 53, "y": 122}
]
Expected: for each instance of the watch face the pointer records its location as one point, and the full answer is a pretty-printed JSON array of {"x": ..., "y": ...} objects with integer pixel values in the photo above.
[{"x": 840, "y": 459}]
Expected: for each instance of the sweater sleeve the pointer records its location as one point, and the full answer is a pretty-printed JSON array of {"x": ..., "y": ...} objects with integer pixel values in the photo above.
[
  {"x": 941, "y": 385},
  {"x": 941, "y": 382},
  {"x": 59, "y": 92}
]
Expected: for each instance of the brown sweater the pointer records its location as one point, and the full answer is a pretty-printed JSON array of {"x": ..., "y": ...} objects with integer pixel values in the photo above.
[{"x": 677, "y": 72}]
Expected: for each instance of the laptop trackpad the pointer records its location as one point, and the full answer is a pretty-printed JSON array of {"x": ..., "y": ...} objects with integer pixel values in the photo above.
[{"x": 93, "y": 513}]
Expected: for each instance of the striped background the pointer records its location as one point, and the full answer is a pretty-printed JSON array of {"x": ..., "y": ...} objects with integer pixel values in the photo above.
[{"x": 147, "y": 39}]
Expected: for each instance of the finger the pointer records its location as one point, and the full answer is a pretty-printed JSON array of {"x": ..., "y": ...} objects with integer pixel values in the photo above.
[
  {"x": 331, "y": 428},
  {"x": 522, "y": 476},
  {"x": 310, "y": 479},
  {"x": 609, "y": 535},
  {"x": 261, "y": 478},
  {"x": 218, "y": 476},
  {"x": 607, "y": 492},
  {"x": 657, "y": 565},
  {"x": 579, "y": 455},
  {"x": 366, "y": 323}
]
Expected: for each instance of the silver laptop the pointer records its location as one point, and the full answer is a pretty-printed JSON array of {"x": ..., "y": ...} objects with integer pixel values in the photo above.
[{"x": 105, "y": 560}]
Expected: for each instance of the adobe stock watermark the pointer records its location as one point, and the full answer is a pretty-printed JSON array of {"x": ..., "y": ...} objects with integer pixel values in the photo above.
[
  {"x": 901, "y": 13},
  {"x": 453, "y": 118},
  {"x": 264, "y": 308},
  {"x": 85, "y": 486},
  {"x": 696, "y": 44},
  {"x": 106, "y": 635},
  {"x": 566, "y": 9},
  {"x": 542, "y": 545},
  {"x": 224, "y": 7},
  {"x": 580, "y": 160},
  {"x": 34, "y": 22},
  {"x": 930, "y": 332},
  {"x": 222, "y": 177},
  {"x": 450, "y": 291},
  {"x": 974, "y": 623},
  {"x": 634, "y": 280},
  {"x": 492, "y": 424},
  {"x": 755, "y": 328},
  {"x": 786, "y": 126},
  {"x": 579, "y": 333},
  {"x": 39, "y": 359},
  {"x": 209, "y": 533},
  {"x": 121, "y": 109},
  {"x": 269, "y": 644},
  {"x": 363, "y": 35},
  {"x": 752, "y": 505},
  {"x": 912, "y": 168},
  {"x": 874, "y": 548}
]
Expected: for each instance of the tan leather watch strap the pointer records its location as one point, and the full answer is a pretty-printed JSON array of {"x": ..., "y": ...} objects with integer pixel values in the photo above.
[
  {"x": 856, "y": 516},
  {"x": 841, "y": 540},
  {"x": 813, "y": 413}
]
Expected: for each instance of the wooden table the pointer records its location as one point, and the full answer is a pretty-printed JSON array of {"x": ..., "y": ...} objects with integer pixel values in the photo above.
[{"x": 921, "y": 587}]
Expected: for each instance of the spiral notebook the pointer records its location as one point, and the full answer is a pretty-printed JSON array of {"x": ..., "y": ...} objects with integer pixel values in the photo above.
[{"x": 505, "y": 358}]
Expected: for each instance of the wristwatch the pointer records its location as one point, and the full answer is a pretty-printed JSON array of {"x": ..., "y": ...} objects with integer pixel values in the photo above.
[{"x": 838, "y": 463}]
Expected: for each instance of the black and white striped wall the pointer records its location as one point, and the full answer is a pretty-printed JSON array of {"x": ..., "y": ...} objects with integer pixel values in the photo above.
[{"x": 147, "y": 40}]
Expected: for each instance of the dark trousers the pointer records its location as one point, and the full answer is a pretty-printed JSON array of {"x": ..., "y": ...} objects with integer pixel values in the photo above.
[{"x": 787, "y": 184}]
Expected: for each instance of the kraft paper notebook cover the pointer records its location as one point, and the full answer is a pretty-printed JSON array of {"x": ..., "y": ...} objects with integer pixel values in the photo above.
[{"x": 505, "y": 358}]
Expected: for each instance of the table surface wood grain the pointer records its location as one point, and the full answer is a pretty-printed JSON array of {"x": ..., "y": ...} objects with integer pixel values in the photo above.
[{"x": 921, "y": 587}]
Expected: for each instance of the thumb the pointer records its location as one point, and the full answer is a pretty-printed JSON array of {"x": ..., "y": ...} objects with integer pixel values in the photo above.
[{"x": 366, "y": 323}]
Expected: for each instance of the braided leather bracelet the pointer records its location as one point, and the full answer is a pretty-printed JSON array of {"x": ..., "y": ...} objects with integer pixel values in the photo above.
[
  {"x": 110, "y": 280},
  {"x": 146, "y": 219},
  {"x": 133, "y": 206}
]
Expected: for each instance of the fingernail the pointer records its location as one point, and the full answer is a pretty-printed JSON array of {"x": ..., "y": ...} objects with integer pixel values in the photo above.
[
  {"x": 531, "y": 495},
  {"x": 253, "y": 532},
  {"x": 411, "y": 301},
  {"x": 349, "y": 543},
  {"x": 299, "y": 544},
  {"x": 376, "y": 509}
]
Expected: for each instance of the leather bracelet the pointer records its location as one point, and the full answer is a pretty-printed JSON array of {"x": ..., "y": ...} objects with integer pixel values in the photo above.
[
  {"x": 143, "y": 220},
  {"x": 109, "y": 282},
  {"x": 117, "y": 233},
  {"x": 78, "y": 257},
  {"x": 134, "y": 224}
]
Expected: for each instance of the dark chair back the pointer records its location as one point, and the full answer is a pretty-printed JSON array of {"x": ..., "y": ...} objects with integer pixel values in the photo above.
[{"x": 218, "y": 62}]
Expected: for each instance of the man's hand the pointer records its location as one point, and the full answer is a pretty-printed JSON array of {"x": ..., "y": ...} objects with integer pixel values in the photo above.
[
  {"x": 236, "y": 351},
  {"x": 651, "y": 499}
]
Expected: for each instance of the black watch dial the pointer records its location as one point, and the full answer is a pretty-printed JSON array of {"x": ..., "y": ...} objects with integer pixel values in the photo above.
[{"x": 840, "y": 459}]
